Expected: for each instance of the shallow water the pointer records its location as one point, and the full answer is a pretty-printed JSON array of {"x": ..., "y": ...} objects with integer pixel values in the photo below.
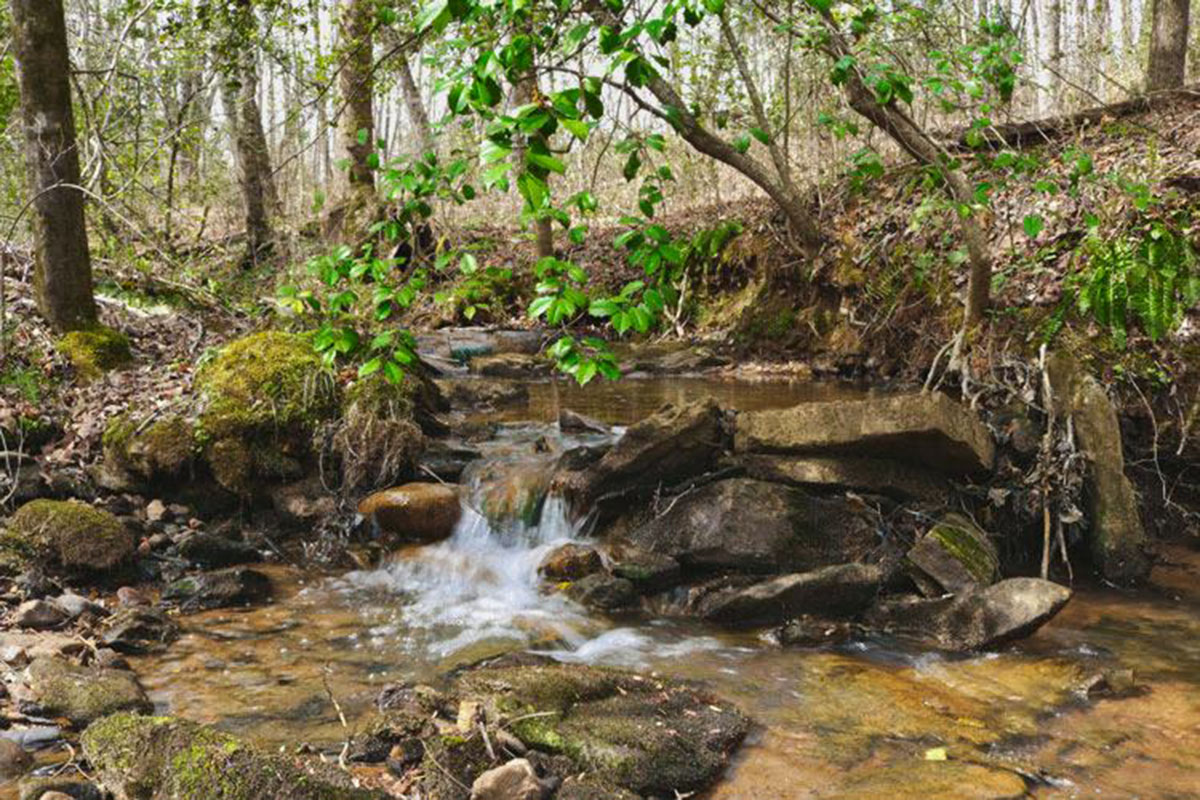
[{"x": 873, "y": 718}]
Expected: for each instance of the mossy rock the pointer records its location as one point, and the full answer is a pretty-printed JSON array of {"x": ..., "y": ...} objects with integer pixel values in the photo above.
[
  {"x": 68, "y": 536},
  {"x": 451, "y": 764},
  {"x": 82, "y": 695},
  {"x": 609, "y": 723},
  {"x": 167, "y": 758},
  {"x": 265, "y": 384},
  {"x": 149, "y": 451},
  {"x": 95, "y": 351}
]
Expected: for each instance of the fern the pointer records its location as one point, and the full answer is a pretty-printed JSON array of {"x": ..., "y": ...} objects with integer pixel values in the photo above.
[{"x": 1152, "y": 281}]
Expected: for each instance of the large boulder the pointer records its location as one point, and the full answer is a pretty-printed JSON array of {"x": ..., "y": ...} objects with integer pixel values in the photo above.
[
  {"x": 927, "y": 429},
  {"x": 649, "y": 736},
  {"x": 161, "y": 758},
  {"x": 674, "y": 444},
  {"x": 1117, "y": 538},
  {"x": 836, "y": 592},
  {"x": 56, "y": 687},
  {"x": 414, "y": 512},
  {"x": 1002, "y": 612},
  {"x": 752, "y": 526},
  {"x": 66, "y": 537},
  {"x": 954, "y": 556},
  {"x": 879, "y": 476}
]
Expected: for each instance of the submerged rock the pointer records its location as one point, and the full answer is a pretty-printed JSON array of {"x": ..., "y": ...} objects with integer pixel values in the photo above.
[
  {"x": 753, "y": 526},
  {"x": 930, "y": 430},
  {"x": 67, "y": 537},
  {"x": 238, "y": 586},
  {"x": 641, "y": 734},
  {"x": 58, "y": 688},
  {"x": 676, "y": 443},
  {"x": 414, "y": 512},
  {"x": 1008, "y": 610},
  {"x": 836, "y": 592},
  {"x": 570, "y": 562},
  {"x": 162, "y": 758},
  {"x": 954, "y": 556}
]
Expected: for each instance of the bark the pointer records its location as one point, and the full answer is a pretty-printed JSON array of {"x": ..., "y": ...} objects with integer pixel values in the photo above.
[
  {"x": 63, "y": 270},
  {"x": 356, "y": 79},
  {"x": 253, "y": 160},
  {"x": 322, "y": 159},
  {"x": 525, "y": 92},
  {"x": 1168, "y": 44},
  {"x": 415, "y": 105}
]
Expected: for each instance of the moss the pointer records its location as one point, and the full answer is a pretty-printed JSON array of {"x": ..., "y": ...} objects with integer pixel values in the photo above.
[
  {"x": 95, "y": 351},
  {"x": 266, "y": 382},
  {"x": 961, "y": 539},
  {"x": 232, "y": 464},
  {"x": 83, "y": 694},
  {"x": 160, "y": 449},
  {"x": 72, "y": 535}
]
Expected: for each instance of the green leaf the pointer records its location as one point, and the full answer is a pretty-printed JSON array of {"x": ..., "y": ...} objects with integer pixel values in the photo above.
[
  {"x": 435, "y": 14},
  {"x": 1033, "y": 224},
  {"x": 761, "y": 135},
  {"x": 632, "y": 165},
  {"x": 546, "y": 162}
]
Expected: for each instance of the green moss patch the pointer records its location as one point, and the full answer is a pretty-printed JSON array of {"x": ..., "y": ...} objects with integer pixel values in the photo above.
[
  {"x": 72, "y": 536},
  {"x": 95, "y": 351},
  {"x": 149, "y": 450}
]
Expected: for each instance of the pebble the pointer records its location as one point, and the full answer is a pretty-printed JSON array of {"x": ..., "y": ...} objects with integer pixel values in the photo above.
[
  {"x": 40, "y": 615},
  {"x": 128, "y": 596},
  {"x": 77, "y": 605},
  {"x": 14, "y": 761},
  {"x": 156, "y": 510},
  {"x": 55, "y": 796}
]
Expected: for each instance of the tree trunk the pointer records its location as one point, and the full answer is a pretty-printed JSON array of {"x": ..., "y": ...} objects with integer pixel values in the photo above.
[
  {"x": 415, "y": 105},
  {"x": 250, "y": 148},
  {"x": 63, "y": 269},
  {"x": 357, "y": 122},
  {"x": 525, "y": 92},
  {"x": 1168, "y": 44}
]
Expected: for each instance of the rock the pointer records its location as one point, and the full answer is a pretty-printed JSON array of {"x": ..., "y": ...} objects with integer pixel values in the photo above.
[
  {"x": 40, "y": 615},
  {"x": 414, "y": 512},
  {"x": 148, "y": 451},
  {"x": 677, "y": 360},
  {"x": 58, "y": 688},
  {"x": 135, "y": 630},
  {"x": 163, "y": 757},
  {"x": 649, "y": 573},
  {"x": 603, "y": 592},
  {"x": 584, "y": 788},
  {"x": 929, "y": 430},
  {"x": 14, "y": 761},
  {"x": 510, "y": 495},
  {"x": 77, "y": 606},
  {"x": 1002, "y": 612},
  {"x": 67, "y": 537},
  {"x": 880, "y": 476},
  {"x": 210, "y": 551},
  {"x": 1117, "y": 540},
  {"x": 753, "y": 526},
  {"x": 516, "y": 780},
  {"x": 954, "y": 556},
  {"x": 810, "y": 631},
  {"x": 238, "y": 586},
  {"x": 303, "y": 502},
  {"x": 572, "y": 422},
  {"x": 674, "y": 444},
  {"x": 95, "y": 351},
  {"x": 570, "y": 562},
  {"x": 645, "y": 735},
  {"x": 473, "y": 394},
  {"x": 59, "y": 788},
  {"x": 446, "y": 459},
  {"x": 513, "y": 366},
  {"x": 836, "y": 592},
  {"x": 129, "y": 596},
  {"x": 155, "y": 511}
]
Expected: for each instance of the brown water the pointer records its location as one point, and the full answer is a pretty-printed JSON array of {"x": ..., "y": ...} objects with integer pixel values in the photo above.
[{"x": 871, "y": 719}]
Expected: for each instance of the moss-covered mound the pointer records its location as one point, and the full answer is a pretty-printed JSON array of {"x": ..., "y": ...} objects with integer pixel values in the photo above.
[
  {"x": 262, "y": 399},
  {"x": 148, "y": 450},
  {"x": 644, "y": 734},
  {"x": 377, "y": 438},
  {"x": 163, "y": 757},
  {"x": 66, "y": 536},
  {"x": 95, "y": 351},
  {"x": 83, "y": 694}
]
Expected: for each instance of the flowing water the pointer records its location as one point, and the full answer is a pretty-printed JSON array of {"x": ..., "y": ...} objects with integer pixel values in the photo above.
[{"x": 873, "y": 718}]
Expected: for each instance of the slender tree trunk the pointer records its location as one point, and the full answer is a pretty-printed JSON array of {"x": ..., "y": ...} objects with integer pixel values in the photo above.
[
  {"x": 525, "y": 92},
  {"x": 1168, "y": 44},
  {"x": 63, "y": 269},
  {"x": 250, "y": 148},
  {"x": 415, "y": 105},
  {"x": 357, "y": 123},
  {"x": 1054, "y": 29}
]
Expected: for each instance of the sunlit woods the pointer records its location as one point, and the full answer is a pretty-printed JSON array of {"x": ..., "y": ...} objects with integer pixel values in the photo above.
[{"x": 154, "y": 83}]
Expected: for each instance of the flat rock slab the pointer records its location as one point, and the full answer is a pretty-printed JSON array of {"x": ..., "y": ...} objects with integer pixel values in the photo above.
[
  {"x": 887, "y": 477},
  {"x": 836, "y": 592},
  {"x": 931, "y": 430}
]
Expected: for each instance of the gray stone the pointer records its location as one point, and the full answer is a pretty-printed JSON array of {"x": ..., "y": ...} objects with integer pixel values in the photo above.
[
  {"x": 927, "y": 429},
  {"x": 881, "y": 476},
  {"x": 239, "y": 586},
  {"x": 516, "y": 780},
  {"x": 757, "y": 527},
  {"x": 648, "y": 572},
  {"x": 40, "y": 615},
  {"x": 835, "y": 592},
  {"x": 58, "y": 688},
  {"x": 603, "y": 592},
  {"x": 211, "y": 551},
  {"x": 955, "y": 556},
  {"x": 1002, "y": 612}
]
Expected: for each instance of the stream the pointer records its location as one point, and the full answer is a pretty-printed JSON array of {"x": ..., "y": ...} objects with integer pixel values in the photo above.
[{"x": 870, "y": 718}]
